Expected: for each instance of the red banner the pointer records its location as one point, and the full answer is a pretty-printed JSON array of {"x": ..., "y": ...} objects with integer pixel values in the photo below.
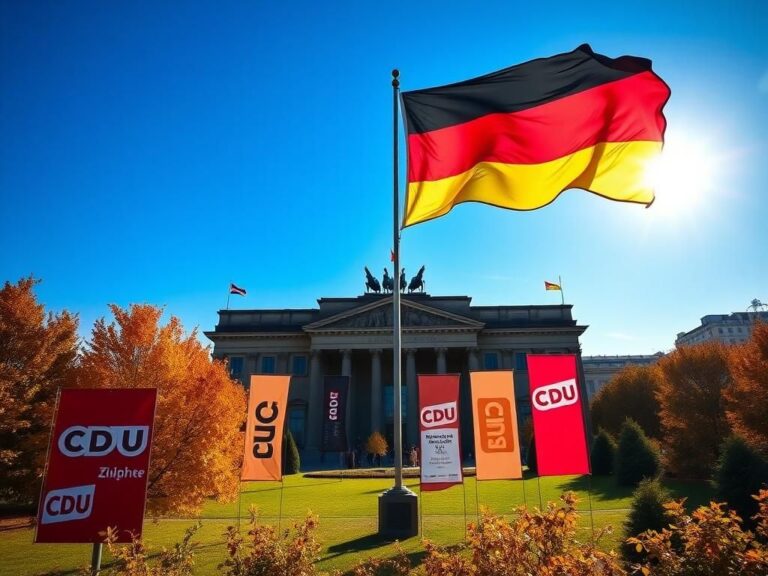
[
  {"x": 439, "y": 430},
  {"x": 267, "y": 404},
  {"x": 98, "y": 463},
  {"x": 558, "y": 421}
]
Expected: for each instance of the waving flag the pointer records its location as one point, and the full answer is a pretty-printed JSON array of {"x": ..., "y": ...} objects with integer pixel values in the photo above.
[
  {"x": 518, "y": 137},
  {"x": 236, "y": 290},
  {"x": 551, "y": 286}
]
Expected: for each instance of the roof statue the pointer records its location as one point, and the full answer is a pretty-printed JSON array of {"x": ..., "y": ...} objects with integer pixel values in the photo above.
[
  {"x": 387, "y": 283},
  {"x": 417, "y": 282},
  {"x": 371, "y": 283}
]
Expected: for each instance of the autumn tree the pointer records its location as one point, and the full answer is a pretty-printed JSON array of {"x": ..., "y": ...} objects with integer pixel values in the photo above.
[
  {"x": 197, "y": 444},
  {"x": 631, "y": 393},
  {"x": 37, "y": 352},
  {"x": 691, "y": 407},
  {"x": 377, "y": 445},
  {"x": 747, "y": 397}
]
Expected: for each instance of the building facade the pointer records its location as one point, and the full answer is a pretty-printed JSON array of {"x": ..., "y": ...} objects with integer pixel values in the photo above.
[
  {"x": 599, "y": 370},
  {"x": 353, "y": 337},
  {"x": 733, "y": 328}
]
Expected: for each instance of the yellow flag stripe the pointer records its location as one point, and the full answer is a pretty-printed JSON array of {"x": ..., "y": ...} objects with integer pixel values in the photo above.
[{"x": 615, "y": 170}]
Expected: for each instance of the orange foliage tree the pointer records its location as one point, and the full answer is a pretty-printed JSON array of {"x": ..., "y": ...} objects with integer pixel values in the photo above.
[
  {"x": 631, "y": 393},
  {"x": 37, "y": 352},
  {"x": 747, "y": 397},
  {"x": 197, "y": 444},
  {"x": 691, "y": 407}
]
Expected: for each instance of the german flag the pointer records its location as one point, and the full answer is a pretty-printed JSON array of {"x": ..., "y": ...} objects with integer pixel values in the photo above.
[
  {"x": 518, "y": 137},
  {"x": 551, "y": 286}
]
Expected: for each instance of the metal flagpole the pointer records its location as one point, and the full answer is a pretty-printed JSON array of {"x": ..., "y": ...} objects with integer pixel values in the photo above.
[
  {"x": 562, "y": 295},
  {"x": 396, "y": 344},
  {"x": 398, "y": 507},
  {"x": 229, "y": 293}
]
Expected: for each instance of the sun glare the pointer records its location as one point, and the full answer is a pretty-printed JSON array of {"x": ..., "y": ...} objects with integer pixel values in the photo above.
[{"x": 683, "y": 175}]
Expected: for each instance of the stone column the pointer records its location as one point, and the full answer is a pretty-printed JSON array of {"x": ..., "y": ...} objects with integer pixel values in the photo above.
[
  {"x": 474, "y": 360},
  {"x": 282, "y": 363},
  {"x": 346, "y": 370},
  {"x": 376, "y": 408},
  {"x": 315, "y": 408},
  {"x": 411, "y": 381},
  {"x": 442, "y": 366}
]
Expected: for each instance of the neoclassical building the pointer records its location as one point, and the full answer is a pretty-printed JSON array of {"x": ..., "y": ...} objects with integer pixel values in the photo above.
[{"x": 353, "y": 337}]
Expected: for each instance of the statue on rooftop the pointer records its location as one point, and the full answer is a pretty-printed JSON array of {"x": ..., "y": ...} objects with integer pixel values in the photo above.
[
  {"x": 371, "y": 283},
  {"x": 417, "y": 282}
]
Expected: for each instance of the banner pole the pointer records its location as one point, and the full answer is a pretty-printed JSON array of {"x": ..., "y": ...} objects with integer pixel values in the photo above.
[
  {"x": 562, "y": 294},
  {"x": 541, "y": 503},
  {"x": 525, "y": 498},
  {"x": 589, "y": 499},
  {"x": 280, "y": 509},
  {"x": 239, "y": 498},
  {"x": 464, "y": 489},
  {"x": 96, "y": 558},
  {"x": 477, "y": 498},
  {"x": 229, "y": 293}
]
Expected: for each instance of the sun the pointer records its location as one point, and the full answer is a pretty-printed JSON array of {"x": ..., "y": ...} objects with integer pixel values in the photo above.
[{"x": 683, "y": 175}]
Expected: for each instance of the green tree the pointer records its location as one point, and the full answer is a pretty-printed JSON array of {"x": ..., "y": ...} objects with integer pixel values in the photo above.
[
  {"x": 603, "y": 454},
  {"x": 647, "y": 512},
  {"x": 631, "y": 393},
  {"x": 636, "y": 457},
  {"x": 692, "y": 409},
  {"x": 292, "y": 463},
  {"x": 741, "y": 471},
  {"x": 37, "y": 355}
]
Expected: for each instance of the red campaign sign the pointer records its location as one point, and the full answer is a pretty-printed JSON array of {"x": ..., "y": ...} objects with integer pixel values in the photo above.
[
  {"x": 558, "y": 422},
  {"x": 439, "y": 431},
  {"x": 98, "y": 462}
]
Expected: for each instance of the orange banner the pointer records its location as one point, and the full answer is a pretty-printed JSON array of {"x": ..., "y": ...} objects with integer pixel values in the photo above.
[
  {"x": 267, "y": 404},
  {"x": 497, "y": 449}
]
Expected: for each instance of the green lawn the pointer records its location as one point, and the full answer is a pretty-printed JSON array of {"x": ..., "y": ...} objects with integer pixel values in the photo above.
[{"x": 347, "y": 509}]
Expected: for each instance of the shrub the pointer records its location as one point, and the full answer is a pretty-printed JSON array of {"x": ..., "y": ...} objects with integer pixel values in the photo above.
[
  {"x": 542, "y": 543},
  {"x": 741, "y": 471},
  {"x": 636, "y": 457},
  {"x": 603, "y": 454},
  {"x": 647, "y": 512},
  {"x": 292, "y": 463},
  {"x": 132, "y": 559},
  {"x": 288, "y": 553},
  {"x": 709, "y": 542}
]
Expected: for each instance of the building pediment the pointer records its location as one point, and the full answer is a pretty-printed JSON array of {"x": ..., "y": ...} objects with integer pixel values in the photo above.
[{"x": 378, "y": 316}]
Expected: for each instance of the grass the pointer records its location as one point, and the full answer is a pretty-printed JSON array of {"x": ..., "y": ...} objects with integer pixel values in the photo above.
[{"x": 347, "y": 510}]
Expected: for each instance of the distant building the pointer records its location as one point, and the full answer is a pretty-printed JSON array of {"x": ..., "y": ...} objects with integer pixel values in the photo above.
[
  {"x": 599, "y": 370},
  {"x": 727, "y": 328},
  {"x": 353, "y": 337}
]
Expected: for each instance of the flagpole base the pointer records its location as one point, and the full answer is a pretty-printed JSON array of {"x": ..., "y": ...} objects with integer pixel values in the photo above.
[{"x": 398, "y": 513}]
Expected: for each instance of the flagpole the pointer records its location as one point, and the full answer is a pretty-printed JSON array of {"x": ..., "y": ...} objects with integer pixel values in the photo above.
[
  {"x": 562, "y": 295},
  {"x": 398, "y": 506},
  {"x": 229, "y": 293},
  {"x": 396, "y": 344}
]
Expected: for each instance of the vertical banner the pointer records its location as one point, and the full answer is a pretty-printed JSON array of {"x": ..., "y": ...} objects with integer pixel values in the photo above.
[
  {"x": 267, "y": 404},
  {"x": 497, "y": 450},
  {"x": 558, "y": 422},
  {"x": 335, "y": 414},
  {"x": 439, "y": 431},
  {"x": 98, "y": 463}
]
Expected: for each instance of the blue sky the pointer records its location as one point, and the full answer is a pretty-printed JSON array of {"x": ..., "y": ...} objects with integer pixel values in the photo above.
[{"x": 155, "y": 151}]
